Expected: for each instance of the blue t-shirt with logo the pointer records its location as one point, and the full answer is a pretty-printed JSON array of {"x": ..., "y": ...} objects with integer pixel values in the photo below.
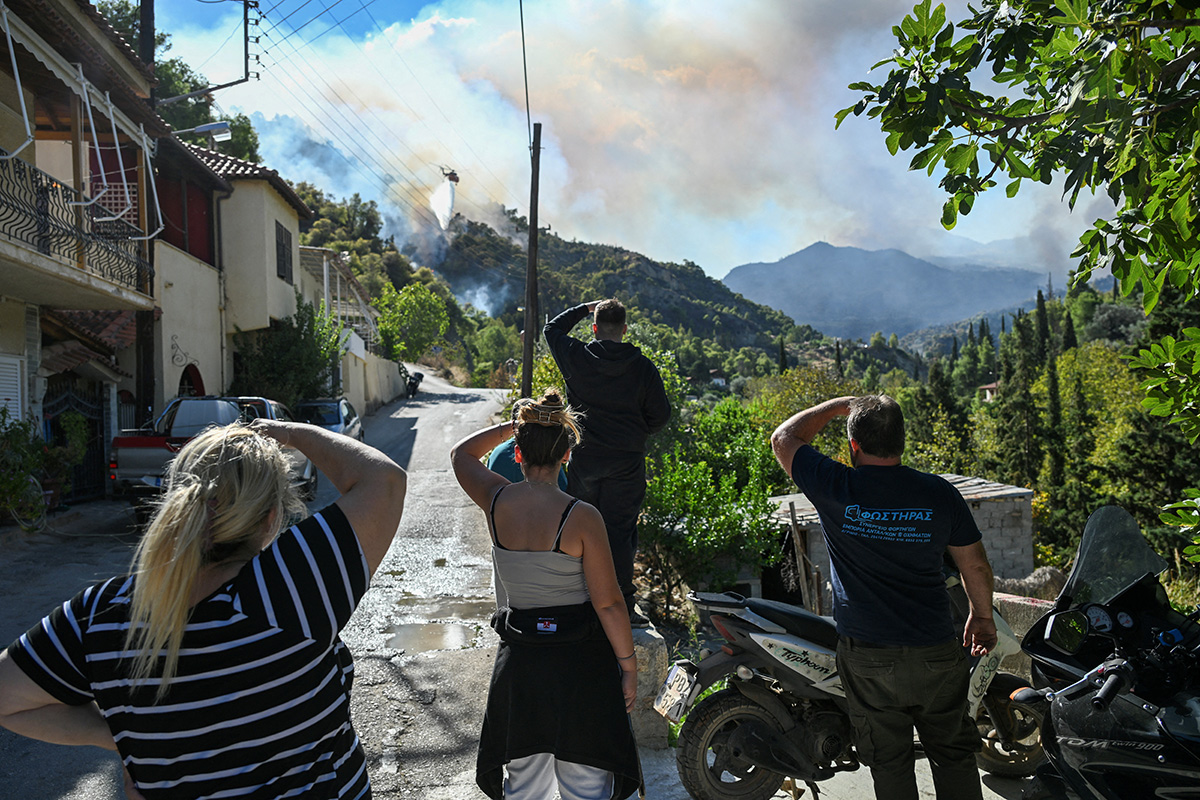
[{"x": 887, "y": 529}]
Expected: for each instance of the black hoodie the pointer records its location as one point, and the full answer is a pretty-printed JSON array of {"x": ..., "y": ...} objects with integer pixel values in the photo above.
[{"x": 617, "y": 388}]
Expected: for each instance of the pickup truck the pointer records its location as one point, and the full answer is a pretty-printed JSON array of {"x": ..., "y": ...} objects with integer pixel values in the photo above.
[{"x": 138, "y": 459}]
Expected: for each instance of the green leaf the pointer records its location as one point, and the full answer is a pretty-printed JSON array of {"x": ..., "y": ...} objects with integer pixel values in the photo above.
[
  {"x": 1074, "y": 13},
  {"x": 950, "y": 213}
]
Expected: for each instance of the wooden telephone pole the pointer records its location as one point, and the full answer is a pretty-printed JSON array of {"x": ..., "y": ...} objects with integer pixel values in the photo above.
[{"x": 532, "y": 328}]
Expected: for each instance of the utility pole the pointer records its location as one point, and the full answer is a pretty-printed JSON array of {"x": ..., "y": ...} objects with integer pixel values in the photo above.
[
  {"x": 532, "y": 329},
  {"x": 144, "y": 320}
]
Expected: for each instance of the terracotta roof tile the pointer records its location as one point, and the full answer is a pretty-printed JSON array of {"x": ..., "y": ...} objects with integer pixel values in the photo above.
[
  {"x": 231, "y": 168},
  {"x": 126, "y": 48}
]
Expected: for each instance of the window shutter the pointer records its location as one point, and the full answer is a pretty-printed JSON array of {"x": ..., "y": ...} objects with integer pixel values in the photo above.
[{"x": 12, "y": 382}]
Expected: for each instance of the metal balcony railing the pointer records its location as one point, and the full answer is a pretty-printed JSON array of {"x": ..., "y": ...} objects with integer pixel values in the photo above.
[{"x": 36, "y": 210}]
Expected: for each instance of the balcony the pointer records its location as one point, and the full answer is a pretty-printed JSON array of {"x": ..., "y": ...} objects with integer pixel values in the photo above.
[{"x": 57, "y": 252}]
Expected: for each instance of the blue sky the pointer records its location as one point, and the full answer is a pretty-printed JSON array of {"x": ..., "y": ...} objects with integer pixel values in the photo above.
[{"x": 696, "y": 130}]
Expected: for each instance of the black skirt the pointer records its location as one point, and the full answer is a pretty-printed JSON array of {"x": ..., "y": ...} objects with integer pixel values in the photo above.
[{"x": 556, "y": 688}]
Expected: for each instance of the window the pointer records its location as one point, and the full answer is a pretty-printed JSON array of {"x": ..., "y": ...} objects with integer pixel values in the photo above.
[{"x": 283, "y": 252}]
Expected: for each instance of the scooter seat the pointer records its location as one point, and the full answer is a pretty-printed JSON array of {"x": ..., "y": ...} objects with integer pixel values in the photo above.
[{"x": 801, "y": 622}]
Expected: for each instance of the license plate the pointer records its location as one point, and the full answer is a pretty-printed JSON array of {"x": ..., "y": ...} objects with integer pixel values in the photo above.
[{"x": 675, "y": 696}]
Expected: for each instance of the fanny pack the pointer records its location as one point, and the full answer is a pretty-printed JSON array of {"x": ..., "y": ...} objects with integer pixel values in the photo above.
[{"x": 546, "y": 626}]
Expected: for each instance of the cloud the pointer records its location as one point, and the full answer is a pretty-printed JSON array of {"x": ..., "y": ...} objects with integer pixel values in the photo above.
[{"x": 684, "y": 129}]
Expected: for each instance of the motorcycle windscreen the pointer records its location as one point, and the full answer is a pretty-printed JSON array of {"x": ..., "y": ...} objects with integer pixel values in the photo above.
[{"x": 1113, "y": 554}]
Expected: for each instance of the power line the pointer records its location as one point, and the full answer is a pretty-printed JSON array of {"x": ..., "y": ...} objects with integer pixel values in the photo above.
[
  {"x": 443, "y": 113},
  {"x": 304, "y": 64},
  {"x": 525, "y": 70},
  {"x": 348, "y": 132}
]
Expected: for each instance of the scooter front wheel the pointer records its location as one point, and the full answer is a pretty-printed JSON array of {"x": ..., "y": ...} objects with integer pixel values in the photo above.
[
  {"x": 1024, "y": 752},
  {"x": 708, "y": 767}
]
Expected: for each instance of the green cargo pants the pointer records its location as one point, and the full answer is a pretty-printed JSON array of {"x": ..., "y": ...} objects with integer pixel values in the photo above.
[{"x": 889, "y": 690}]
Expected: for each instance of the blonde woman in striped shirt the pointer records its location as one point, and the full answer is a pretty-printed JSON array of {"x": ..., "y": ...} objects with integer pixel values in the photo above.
[{"x": 215, "y": 668}]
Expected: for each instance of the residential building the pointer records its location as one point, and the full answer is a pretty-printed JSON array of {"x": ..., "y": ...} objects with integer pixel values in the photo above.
[{"x": 76, "y": 189}]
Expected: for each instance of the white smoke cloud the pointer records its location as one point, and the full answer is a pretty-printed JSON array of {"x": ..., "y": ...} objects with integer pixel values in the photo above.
[{"x": 683, "y": 129}]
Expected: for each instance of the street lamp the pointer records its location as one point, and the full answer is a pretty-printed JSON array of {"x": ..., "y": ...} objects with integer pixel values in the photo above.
[{"x": 217, "y": 131}]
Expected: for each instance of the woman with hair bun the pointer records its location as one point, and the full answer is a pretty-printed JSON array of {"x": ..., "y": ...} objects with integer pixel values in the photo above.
[
  {"x": 565, "y": 674},
  {"x": 215, "y": 668}
]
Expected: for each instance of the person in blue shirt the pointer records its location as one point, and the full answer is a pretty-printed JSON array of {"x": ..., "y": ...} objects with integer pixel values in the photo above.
[
  {"x": 887, "y": 528},
  {"x": 503, "y": 461}
]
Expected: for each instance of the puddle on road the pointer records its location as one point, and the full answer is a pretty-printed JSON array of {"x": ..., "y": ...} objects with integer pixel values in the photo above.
[
  {"x": 422, "y": 636},
  {"x": 418, "y": 637},
  {"x": 447, "y": 607}
]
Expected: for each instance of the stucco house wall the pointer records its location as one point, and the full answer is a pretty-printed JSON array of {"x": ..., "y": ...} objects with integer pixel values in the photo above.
[
  {"x": 189, "y": 293},
  {"x": 254, "y": 294}
]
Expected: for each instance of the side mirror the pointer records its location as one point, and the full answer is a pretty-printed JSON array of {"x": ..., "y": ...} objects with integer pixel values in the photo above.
[{"x": 1067, "y": 631}]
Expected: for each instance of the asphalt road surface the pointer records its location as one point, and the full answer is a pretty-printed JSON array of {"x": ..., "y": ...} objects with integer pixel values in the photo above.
[{"x": 420, "y": 637}]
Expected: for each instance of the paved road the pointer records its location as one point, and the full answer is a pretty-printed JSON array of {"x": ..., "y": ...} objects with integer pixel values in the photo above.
[{"x": 420, "y": 637}]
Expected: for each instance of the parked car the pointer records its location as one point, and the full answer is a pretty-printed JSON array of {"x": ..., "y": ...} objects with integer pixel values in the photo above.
[
  {"x": 337, "y": 415},
  {"x": 138, "y": 458}
]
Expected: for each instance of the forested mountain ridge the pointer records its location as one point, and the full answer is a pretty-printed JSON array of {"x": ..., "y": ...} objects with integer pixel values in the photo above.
[
  {"x": 851, "y": 293},
  {"x": 488, "y": 270}
]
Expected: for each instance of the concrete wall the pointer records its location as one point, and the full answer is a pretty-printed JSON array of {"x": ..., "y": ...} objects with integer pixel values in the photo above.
[
  {"x": 189, "y": 331},
  {"x": 369, "y": 382},
  {"x": 12, "y": 326},
  {"x": 12, "y": 122}
]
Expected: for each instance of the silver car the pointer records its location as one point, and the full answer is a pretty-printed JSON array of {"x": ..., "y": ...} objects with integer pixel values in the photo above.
[{"x": 337, "y": 415}]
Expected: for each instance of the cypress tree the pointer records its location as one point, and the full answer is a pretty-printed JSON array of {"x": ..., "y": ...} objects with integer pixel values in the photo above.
[
  {"x": 1069, "y": 341},
  {"x": 1042, "y": 341}
]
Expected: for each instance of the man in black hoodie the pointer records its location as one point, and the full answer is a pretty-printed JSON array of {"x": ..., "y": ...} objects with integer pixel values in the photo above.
[{"x": 623, "y": 401}]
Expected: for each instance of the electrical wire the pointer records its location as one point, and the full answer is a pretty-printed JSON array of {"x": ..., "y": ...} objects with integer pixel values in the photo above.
[
  {"x": 525, "y": 70},
  {"x": 347, "y": 132},
  {"x": 338, "y": 127},
  {"x": 400, "y": 56},
  {"x": 324, "y": 11},
  {"x": 390, "y": 84},
  {"x": 303, "y": 64}
]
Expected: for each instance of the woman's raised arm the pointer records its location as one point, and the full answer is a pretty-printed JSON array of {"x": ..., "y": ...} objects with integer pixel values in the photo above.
[
  {"x": 479, "y": 482},
  {"x": 371, "y": 484}
]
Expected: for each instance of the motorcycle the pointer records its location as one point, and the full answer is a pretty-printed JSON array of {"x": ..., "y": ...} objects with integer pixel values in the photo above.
[
  {"x": 1117, "y": 671},
  {"x": 783, "y": 711},
  {"x": 414, "y": 382}
]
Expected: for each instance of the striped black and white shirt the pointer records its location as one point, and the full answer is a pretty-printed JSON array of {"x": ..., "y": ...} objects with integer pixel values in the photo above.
[{"x": 260, "y": 705}]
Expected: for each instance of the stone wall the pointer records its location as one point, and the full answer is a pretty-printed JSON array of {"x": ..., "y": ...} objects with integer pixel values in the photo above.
[{"x": 1007, "y": 528}]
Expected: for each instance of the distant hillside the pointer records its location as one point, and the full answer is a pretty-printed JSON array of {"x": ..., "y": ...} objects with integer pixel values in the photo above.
[
  {"x": 852, "y": 293},
  {"x": 488, "y": 270},
  {"x": 939, "y": 339}
]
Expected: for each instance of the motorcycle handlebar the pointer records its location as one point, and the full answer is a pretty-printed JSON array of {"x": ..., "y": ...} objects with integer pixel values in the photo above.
[{"x": 1112, "y": 686}]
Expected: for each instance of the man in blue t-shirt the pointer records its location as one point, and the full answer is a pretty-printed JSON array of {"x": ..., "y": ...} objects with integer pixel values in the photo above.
[{"x": 887, "y": 528}]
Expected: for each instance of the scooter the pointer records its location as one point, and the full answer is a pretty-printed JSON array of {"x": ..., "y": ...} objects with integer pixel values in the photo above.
[
  {"x": 1118, "y": 674},
  {"x": 783, "y": 712}
]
